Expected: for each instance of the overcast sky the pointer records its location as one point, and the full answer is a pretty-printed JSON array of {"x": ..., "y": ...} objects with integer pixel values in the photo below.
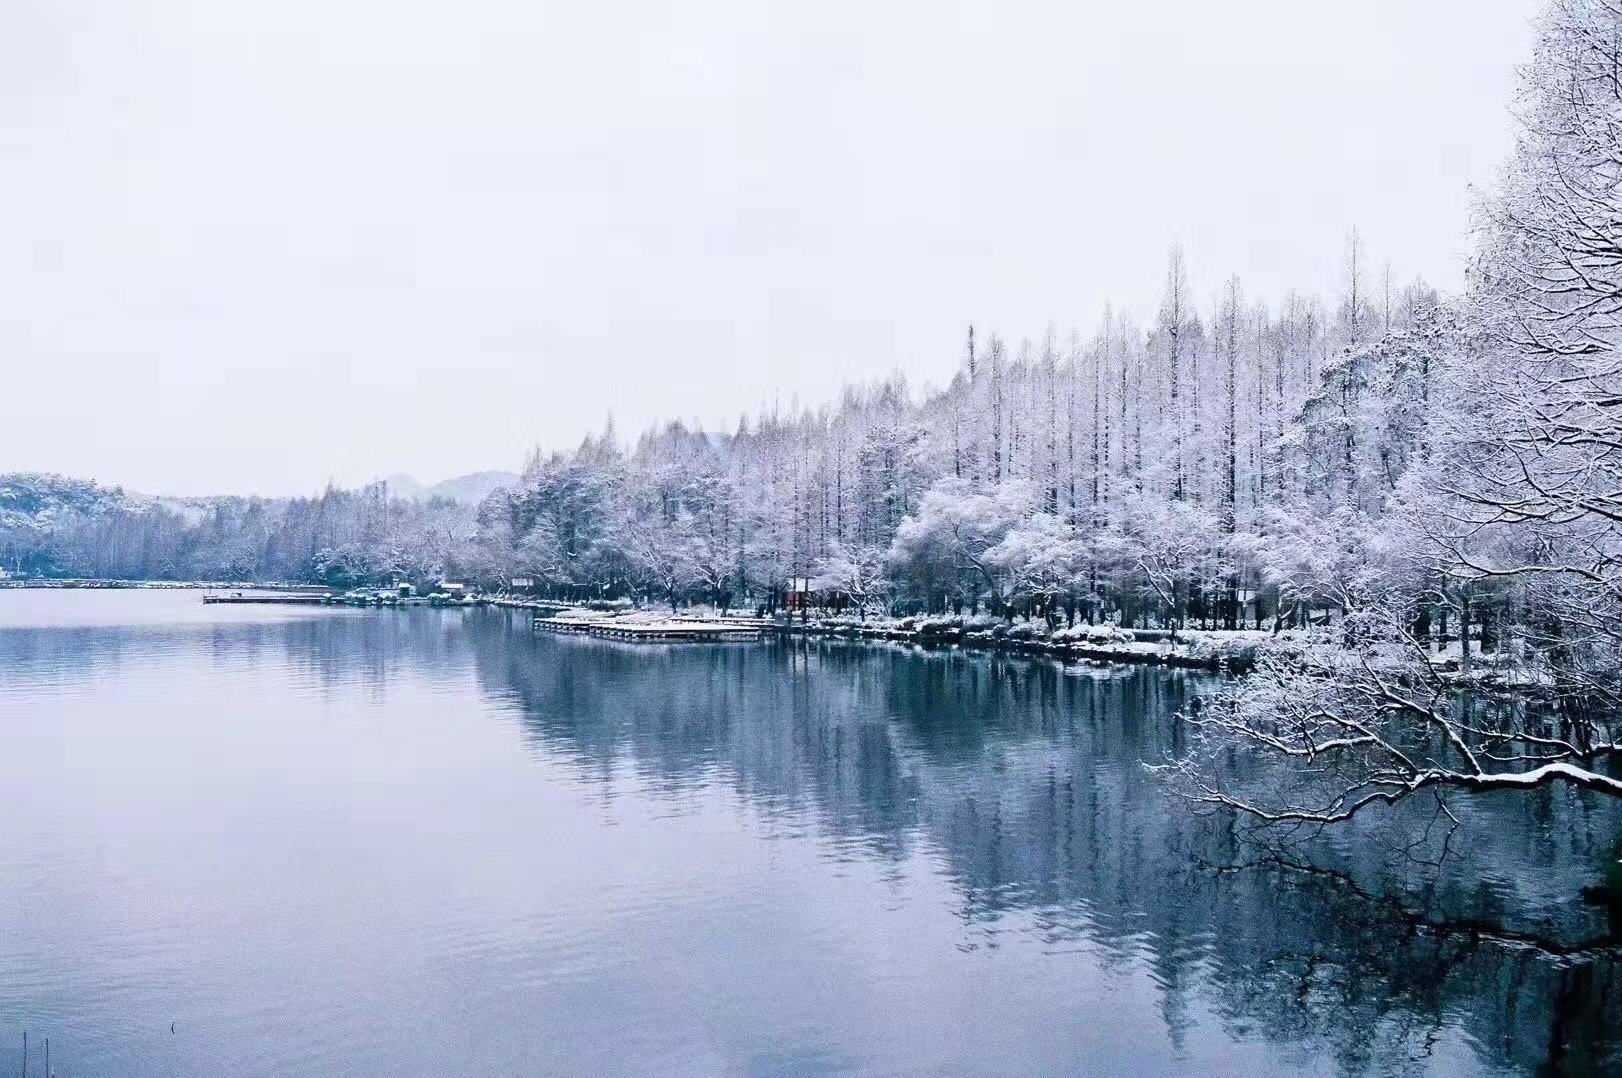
[{"x": 255, "y": 247}]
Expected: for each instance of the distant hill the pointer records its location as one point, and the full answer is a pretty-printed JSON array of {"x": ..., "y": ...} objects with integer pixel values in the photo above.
[
  {"x": 473, "y": 487},
  {"x": 469, "y": 489},
  {"x": 41, "y": 495},
  {"x": 402, "y": 485}
]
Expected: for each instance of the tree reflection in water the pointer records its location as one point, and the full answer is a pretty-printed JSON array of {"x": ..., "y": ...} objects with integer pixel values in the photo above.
[{"x": 1026, "y": 780}]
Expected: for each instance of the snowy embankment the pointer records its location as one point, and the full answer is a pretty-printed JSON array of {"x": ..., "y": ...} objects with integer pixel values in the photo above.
[
  {"x": 1232, "y": 650},
  {"x": 1195, "y": 648},
  {"x": 1204, "y": 650}
]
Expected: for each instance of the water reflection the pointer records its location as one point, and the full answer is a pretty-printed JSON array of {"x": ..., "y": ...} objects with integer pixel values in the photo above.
[
  {"x": 1026, "y": 778},
  {"x": 1020, "y": 782}
]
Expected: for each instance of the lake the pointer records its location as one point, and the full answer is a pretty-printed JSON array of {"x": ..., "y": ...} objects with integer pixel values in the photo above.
[{"x": 402, "y": 842}]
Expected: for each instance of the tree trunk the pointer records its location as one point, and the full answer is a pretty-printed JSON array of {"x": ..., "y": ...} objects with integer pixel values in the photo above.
[{"x": 1464, "y": 630}]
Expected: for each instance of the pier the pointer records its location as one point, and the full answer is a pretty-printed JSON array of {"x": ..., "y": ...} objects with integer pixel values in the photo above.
[
  {"x": 673, "y": 630},
  {"x": 286, "y": 598}
]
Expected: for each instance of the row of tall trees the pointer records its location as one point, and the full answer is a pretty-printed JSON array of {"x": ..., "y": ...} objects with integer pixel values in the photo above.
[
  {"x": 1145, "y": 474},
  {"x": 1137, "y": 474}
]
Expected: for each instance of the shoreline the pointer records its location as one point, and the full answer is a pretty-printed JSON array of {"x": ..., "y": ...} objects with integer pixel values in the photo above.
[
  {"x": 1233, "y": 652},
  {"x": 986, "y": 642},
  {"x": 1233, "y": 657},
  {"x": 1230, "y": 652}
]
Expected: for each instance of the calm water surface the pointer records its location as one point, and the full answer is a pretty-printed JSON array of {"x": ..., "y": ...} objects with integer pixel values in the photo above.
[{"x": 387, "y": 842}]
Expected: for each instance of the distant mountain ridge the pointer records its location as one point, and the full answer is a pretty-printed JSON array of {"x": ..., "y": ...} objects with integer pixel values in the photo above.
[
  {"x": 469, "y": 489},
  {"x": 44, "y": 494}
]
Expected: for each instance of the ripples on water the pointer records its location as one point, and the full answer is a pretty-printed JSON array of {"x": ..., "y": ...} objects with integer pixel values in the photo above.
[{"x": 392, "y": 842}]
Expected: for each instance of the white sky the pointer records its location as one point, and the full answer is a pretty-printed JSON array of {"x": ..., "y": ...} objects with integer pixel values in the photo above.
[{"x": 250, "y": 248}]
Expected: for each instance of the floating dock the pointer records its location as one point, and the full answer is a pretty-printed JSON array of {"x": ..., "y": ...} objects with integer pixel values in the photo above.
[{"x": 666, "y": 632}]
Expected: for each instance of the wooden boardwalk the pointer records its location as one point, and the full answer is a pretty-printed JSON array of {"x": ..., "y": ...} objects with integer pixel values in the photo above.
[{"x": 667, "y": 632}]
